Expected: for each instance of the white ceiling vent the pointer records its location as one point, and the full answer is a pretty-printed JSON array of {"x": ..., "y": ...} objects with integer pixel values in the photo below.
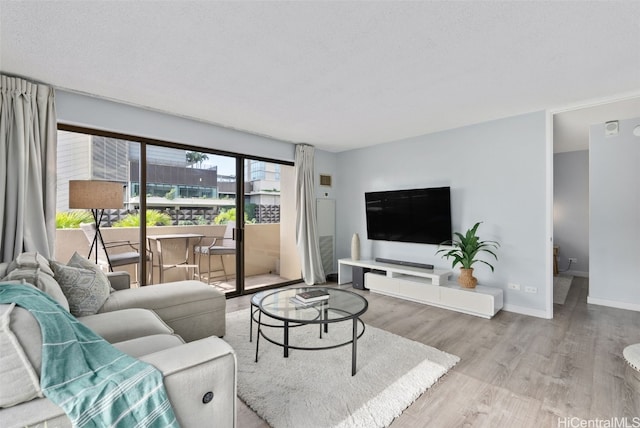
[{"x": 611, "y": 128}]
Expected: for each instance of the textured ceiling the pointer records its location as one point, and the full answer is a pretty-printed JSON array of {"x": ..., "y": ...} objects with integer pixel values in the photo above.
[{"x": 339, "y": 75}]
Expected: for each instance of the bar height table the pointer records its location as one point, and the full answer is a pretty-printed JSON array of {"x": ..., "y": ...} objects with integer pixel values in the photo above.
[{"x": 173, "y": 251}]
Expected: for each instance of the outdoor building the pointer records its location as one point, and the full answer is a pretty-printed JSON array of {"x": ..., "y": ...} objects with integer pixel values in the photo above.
[{"x": 177, "y": 180}]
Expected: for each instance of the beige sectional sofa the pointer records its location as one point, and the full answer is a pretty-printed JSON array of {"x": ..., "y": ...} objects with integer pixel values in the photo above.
[{"x": 176, "y": 327}]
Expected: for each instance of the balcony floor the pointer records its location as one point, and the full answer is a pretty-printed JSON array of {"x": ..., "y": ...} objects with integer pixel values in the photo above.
[{"x": 250, "y": 283}]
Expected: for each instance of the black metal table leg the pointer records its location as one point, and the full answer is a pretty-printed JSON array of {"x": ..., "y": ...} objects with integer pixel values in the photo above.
[
  {"x": 323, "y": 317},
  {"x": 251, "y": 323},
  {"x": 258, "y": 335},
  {"x": 286, "y": 339},
  {"x": 326, "y": 317},
  {"x": 354, "y": 346}
]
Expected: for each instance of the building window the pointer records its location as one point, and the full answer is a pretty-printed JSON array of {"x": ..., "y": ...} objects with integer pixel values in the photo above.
[{"x": 257, "y": 170}]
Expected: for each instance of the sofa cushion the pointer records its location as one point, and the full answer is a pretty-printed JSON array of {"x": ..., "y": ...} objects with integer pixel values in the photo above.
[
  {"x": 85, "y": 292},
  {"x": 40, "y": 279},
  {"x": 126, "y": 324},
  {"x": 148, "y": 344},
  {"x": 192, "y": 308},
  {"x": 20, "y": 382}
]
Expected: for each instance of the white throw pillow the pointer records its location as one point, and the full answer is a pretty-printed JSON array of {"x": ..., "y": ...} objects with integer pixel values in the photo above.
[{"x": 30, "y": 260}]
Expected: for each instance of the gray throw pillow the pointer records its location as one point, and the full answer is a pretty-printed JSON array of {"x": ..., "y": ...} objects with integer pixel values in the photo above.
[
  {"x": 83, "y": 289},
  {"x": 82, "y": 262}
]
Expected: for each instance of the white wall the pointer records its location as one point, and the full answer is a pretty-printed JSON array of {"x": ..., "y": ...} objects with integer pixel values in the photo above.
[
  {"x": 497, "y": 173},
  {"x": 614, "y": 250},
  {"x": 571, "y": 210},
  {"x": 98, "y": 113},
  {"x": 326, "y": 164}
]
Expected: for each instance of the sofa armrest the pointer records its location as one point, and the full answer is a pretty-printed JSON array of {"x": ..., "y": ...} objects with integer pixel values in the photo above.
[
  {"x": 119, "y": 280},
  {"x": 192, "y": 371}
]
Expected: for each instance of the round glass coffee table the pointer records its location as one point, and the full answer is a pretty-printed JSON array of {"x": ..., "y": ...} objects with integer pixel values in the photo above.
[{"x": 342, "y": 305}]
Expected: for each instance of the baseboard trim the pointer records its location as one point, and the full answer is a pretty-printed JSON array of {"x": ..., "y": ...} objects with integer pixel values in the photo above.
[
  {"x": 526, "y": 311},
  {"x": 614, "y": 304}
]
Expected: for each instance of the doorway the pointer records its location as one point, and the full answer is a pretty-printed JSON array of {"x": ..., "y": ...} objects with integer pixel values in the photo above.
[{"x": 572, "y": 180}]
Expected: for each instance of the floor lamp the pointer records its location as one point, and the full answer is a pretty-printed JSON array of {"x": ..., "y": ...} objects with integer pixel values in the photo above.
[{"x": 96, "y": 196}]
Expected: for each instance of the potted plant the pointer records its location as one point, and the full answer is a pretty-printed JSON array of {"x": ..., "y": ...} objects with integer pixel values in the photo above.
[{"x": 466, "y": 249}]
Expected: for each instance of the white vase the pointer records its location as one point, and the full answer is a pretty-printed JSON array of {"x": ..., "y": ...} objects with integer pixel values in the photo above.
[{"x": 355, "y": 247}]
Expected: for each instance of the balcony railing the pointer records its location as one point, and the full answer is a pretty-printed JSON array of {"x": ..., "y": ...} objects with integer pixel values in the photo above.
[{"x": 262, "y": 248}]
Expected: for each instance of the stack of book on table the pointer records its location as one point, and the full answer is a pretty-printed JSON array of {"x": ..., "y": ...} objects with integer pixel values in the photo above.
[{"x": 312, "y": 296}]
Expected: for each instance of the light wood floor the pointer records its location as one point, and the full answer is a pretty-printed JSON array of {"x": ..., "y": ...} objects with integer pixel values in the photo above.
[{"x": 515, "y": 370}]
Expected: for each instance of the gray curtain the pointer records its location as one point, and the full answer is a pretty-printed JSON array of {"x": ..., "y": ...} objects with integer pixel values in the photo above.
[
  {"x": 28, "y": 138},
  {"x": 306, "y": 224}
]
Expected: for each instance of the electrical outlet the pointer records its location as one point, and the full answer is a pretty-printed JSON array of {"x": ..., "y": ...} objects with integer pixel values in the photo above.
[
  {"x": 573, "y": 260},
  {"x": 530, "y": 289},
  {"x": 513, "y": 286}
]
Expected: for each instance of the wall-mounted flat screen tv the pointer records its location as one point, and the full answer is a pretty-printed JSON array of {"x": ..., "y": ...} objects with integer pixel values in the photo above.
[{"x": 416, "y": 215}]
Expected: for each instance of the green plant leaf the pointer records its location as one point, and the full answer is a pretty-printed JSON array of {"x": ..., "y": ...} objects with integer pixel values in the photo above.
[
  {"x": 467, "y": 248},
  {"x": 72, "y": 219},
  {"x": 154, "y": 218}
]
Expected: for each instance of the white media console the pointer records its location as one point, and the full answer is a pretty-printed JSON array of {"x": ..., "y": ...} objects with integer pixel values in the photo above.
[{"x": 429, "y": 286}]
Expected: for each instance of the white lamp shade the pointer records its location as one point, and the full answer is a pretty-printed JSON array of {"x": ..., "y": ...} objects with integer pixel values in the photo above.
[{"x": 94, "y": 194}]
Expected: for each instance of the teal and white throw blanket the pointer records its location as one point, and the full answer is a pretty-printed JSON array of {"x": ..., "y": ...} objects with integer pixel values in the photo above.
[{"x": 93, "y": 382}]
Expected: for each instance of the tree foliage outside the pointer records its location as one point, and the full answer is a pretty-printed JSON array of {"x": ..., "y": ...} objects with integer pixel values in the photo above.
[
  {"x": 196, "y": 158},
  {"x": 230, "y": 216},
  {"x": 171, "y": 194},
  {"x": 72, "y": 219},
  {"x": 154, "y": 218},
  {"x": 250, "y": 212}
]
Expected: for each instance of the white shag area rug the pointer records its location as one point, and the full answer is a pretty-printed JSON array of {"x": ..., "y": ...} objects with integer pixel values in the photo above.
[
  {"x": 316, "y": 389},
  {"x": 561, "y": 286}
]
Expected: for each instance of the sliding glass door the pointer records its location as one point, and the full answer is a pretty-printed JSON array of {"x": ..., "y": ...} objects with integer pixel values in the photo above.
[
  {"x": 190, "y": 208},
  {"x": 224, "y": 219},
  {"x": 269, "y": 232}
]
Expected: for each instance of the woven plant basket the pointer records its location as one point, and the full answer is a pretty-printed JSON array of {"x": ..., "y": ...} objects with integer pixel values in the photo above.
[{"x": 466, "y": 278}]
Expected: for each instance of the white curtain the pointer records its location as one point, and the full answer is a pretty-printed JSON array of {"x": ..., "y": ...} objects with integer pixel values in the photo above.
[
  {"x": 28, "y": 138},
  {"x": 306, "y": 224}
]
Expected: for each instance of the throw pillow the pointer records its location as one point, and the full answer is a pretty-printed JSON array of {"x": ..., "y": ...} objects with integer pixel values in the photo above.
[
  {"x": 3, "y": 269},
  {"x": 81, "y": 262},
  {"x": 84, "y": 291},
  {"x": 30, "y": 260}
]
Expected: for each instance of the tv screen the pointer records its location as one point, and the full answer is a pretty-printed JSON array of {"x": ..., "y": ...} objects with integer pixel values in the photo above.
[{"x": 416, "y": 215}]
